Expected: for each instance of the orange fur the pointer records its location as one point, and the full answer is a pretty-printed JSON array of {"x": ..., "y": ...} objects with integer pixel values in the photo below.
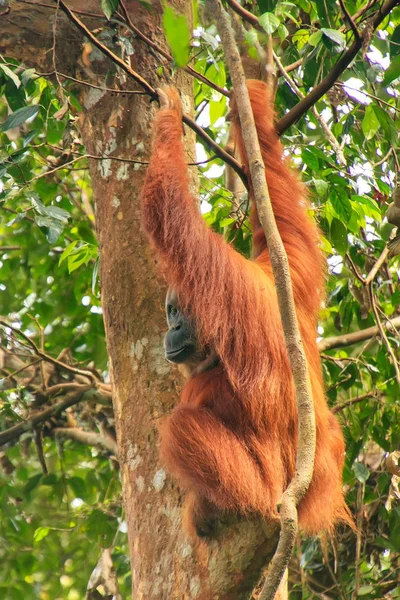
[{"x": 232, "y": 439}]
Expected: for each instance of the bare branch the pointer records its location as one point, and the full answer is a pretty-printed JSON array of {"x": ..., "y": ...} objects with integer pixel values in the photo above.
[
  {"x": 306, "y": 417},
  {"x": 245, "y": 14},
  {"x": 350, "y": 19},
  {"x": 88, "y": 438},
  {"x": 48, "y": 358},
  {"x": 372, "y": 274},
  {"x": 302, "y": 107},
  {"x": 352, "y": 401},
  {"x": 85, "y": 393},
  {"x": 348, "y": 339}
]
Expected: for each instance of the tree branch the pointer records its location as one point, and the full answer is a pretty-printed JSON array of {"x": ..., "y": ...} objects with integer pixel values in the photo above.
[
  {"x": 86, "y": 393},
  {"x": 348, "y": 16},
  {"x": 245, "y": 14},
  {"x": 334, "y": 143},
  {"x": 351, "y": 401},
  {"x": 306, "y": 417},
  {"x": 302, "y": 107},
  {"x": 46, "y": 357},
  {"x": 150, "y": 90},
  {"x": 341, "y": 341},
  {"x": 89, "y": 438}
]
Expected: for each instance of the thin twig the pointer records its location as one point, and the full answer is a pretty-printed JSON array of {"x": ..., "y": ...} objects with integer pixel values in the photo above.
[
  {"x": 312, "y": 98},
  {"x": 48, "y": 358},
  {"x": 368, "y": 94},
  {"x": 23, "y": 368},
  {"x": 353, "y": 267},
  {"x": 334, "y": 143},
  {"x": 37, "y": 436},
  {"x": 372, "y": 274},
  {"x": 350, "y": 19},
  {"x": 352, "y": 401},
  {"x": 92, "y": 85}
]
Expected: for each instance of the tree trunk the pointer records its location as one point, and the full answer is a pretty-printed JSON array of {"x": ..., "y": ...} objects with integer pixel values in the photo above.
[{"x": 165, "y": 564}]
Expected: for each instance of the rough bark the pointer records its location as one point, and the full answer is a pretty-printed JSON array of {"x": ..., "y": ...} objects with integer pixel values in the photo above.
[{"x": 165, "y": 564}]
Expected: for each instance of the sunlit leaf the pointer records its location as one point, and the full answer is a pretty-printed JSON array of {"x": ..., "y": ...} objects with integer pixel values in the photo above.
[
  {"x": 269, "y": 22},
  {"x": 177, "y": 34},
  {"x": 11, "y": 75}
]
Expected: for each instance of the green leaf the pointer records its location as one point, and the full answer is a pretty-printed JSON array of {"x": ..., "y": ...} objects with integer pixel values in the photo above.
[
  {"x": 325, "y": 245},
  {"x": 315, "y": 38},
  {"x": 395, "y": 42},
  {"x": 68, "y": 250},
  {"x": 393, "y": 71},
  {"x": 78, "y": 486},
  {"x": 54, "y": 228},
  {"x": 226, "y": 222},
  {"x": 40, "y": 533},
  {"x": 337, "y": 37},
  {"x": 58, "y": 213},
  {"x": 371, "y": 208},
  {"x": 301, "y": 37},
  {"x": 109, "y": 7},
  {"x": 389, "y": 127},
  {"x": 27, "y": 75},
  {"x": 19, "y": 116},
  {"x": 11, "y": 75},
  {"x": 177, "y": 34},
  {"x": 365, "y": 590},
  {"x": 32, "y": 483},
  {"x": 52, "y": 212},
  {"x": 339, "y": 235},
  {"x": 80, "y": 256},
  {"x": 209, "y": 39},
  {"x": 309, "y": 158},
  {"x": 321, "y": 186},
  {"x": 269, "y": 22},
  {"x": 341, "y": 204},
  {"x": 37, "y": 203},
  {"x": 370, "y": 123},
  {"x": 361, "y": 472},
  {"x": 95, "y": 274},
  {"x": 267, "y": 5},
  {"x": 217, "y": 109},
  {"x": 283, "y": 32},
  {"x": 251, "y": 37}
]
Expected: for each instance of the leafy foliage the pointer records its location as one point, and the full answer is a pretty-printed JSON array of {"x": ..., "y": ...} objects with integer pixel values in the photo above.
[{"x": 59, "y": 522}]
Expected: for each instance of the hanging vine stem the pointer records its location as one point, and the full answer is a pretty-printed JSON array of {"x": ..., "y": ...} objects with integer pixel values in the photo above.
[{"x": 280, "y": 266}]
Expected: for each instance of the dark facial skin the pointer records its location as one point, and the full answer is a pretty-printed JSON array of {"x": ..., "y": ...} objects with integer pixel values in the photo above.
[{"x": 180, "y": 342}]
